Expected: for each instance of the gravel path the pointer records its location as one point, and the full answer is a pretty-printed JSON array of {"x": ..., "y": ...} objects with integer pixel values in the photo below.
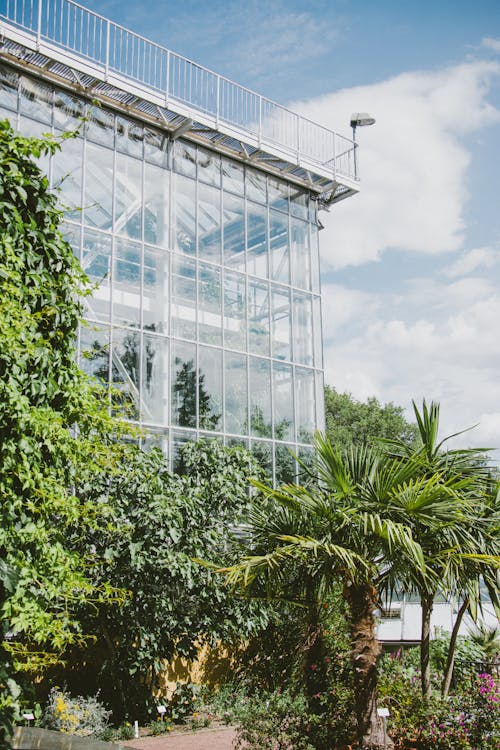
[{"x": 204, "y": 739}]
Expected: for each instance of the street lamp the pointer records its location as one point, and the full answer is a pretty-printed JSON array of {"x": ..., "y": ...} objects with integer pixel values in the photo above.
[{"x": 359, "y": 120}]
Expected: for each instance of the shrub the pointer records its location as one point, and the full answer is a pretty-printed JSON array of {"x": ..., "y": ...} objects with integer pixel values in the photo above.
[{"x": 78, "y": 715}]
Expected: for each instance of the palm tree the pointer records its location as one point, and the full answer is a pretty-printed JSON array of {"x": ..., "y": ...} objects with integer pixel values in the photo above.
[
  {"x": 454, "y": 535},
  {"x": 337, "y": 529}
]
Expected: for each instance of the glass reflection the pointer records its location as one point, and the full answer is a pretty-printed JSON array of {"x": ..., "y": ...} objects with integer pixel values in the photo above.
[
  {"x": 258, "y": 317},
  {"x": 183, "y": 384},
  {"x": 155, "y": 290},
  {"x": 67, "y": 176},
  {"x": 185, "y": 158},
  {"x": 8, "y": 88},
  {"x": 156, "y": 147},
  {"x": 36, "y": 100},
  {"x": 126, "y": 297},
  {"x": 94, "y": 352},
  {"x": 208, "y": 167},
  {"x": 209, "y": 223},
  {"x": 278, "y": 247},
  {"x": 303, "y": 340},
  {"x": 68, "y": 111},
  {"x": 209, "y": 304},
  {"x": 263, "y": 452},
  {"x": 236, "y": 394},
  {"x": 98, "y": 194},
  {"x": 129, "y": 137},
  {"x": 281, "y": 323},
  {"x": 233, "y": 176},
  {"x": 318, "y": 338},
  {"x": 155, "y": 380},
  {"x": 278, "y": 194},
  {"x": 96, "y": 262},
  {"x": 256, "y": 185},
  {"x": 156, "y": 204},
  {"x": 285, "y": 466},
  {"x": 301, "y": 265},
  {"x": 284, "y": 427},
  {"x": 99, "y": 126},
  {"x": 305, "y": 404},
  {"x": 234, "y": 311},
  {"x": 209, "y": 389},
  {"x": 128, "y": 197},
  {"x": 184, "y": 214},
  {"x": 234, "y": 232},
  {"x": 298, "y": 202},
  {"x": 260, "y": 397},
  {"x": 125, "y": 363},
  {"x": 257, "y": 240},
  {"x": 315, "y": 278},
  {"x": 183, "y": 298}
]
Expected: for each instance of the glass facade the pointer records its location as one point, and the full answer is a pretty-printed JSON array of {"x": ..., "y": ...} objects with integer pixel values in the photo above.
[{"x": 206, "y": 315}]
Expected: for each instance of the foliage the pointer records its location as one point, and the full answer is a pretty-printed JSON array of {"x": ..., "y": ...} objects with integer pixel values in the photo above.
[
  {"x": 275, "y": 721},
  {"x": 487, "y": 639},
  {"x": 353, "y": 422},
  {"x": 75, "y": 715},
  {"x": 159, "y": 521},
  {"x": 43, "y": 396},
  {"x": 159, "y": 726},
  {"x": 183, "y": 702}
]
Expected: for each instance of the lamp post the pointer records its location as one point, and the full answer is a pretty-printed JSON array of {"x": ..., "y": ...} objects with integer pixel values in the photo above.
[{"x": 359, "y": 120}]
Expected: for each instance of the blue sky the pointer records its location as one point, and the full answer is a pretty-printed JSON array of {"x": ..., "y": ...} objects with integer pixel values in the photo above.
[{"x": 411, "y": 266}]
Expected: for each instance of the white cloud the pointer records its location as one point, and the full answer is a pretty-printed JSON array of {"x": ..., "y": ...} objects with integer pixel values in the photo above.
[
  {"x": 491, "y": 43},
  {"x": 478, "y": 258},
  {"x": 413, "y": 162},
  {"x": 443, "y": 347}
]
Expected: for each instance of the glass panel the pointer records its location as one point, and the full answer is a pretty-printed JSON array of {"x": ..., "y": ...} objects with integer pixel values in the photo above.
[
  {"x": 256, "y": 185},
  {"x": 257, "y": 240},
  {"x": 126, "y": 298},
  {"x": 94, "y": 352},
  {"x": 8, "y": 88},
  {"x": 318, "y": 337},
  {"x": 315, "y": 278},
  {"x": 156, "y": 201},
  {"x": 154, "y": 385},
  {"x": 278, "y": 247},
  {"x": 72, "y": 234},
  {"x": 320, "y": 401},
  {"x": 184, "y": 214},
  {"x": 305, "y": 404},
  {"x": 125, "y": 361},
  {"x": 260, "y": 397},
  {"x": 303, "y": 340},
  {"x": 233, "y": 175},
  {"x": 155, "y": 438},
  {"x": 278, "y": 194},
  {"x": 210, "y": 389},
  {"x": 36, "y": 100},
  {"x": 280, "y": 322},
  {"x": 263, "y": 452},
  {"x": 283, "y": 402},
  {"x": 67, "y": 174},
  {"x": 128, "y": 197},
  {"x": 96, "y": 262},
  {"x": 183, "y": 298},
  {"x": 185, "y": 158},
  {"x": 209, "y": 223},
  {"x": 208, "y": 167},
  {"x": 129, "y": 137},
  {"x": 258, "y": 317},
  {"x": 68, "y": 112},
  {"x": 306, "y": 456},
  {"x": 301, "y": 264},
  {"x": 236, "y": 394},
  {"x": 156, "y": 147},
  {"x": 98, "y": 194},
  {"x": 155, "y": 291},
  {"x": 99, "y": 126},
  {"x": 179, "y": 440},
  {"x": 298, "y": 202},
  {"x": 183, "y": 384},
  {"x": 285, "y": 464},
  {"x": 209, "y": 305},
  {"x": 234, "y": 311},
  {"x": 234, "y": 232}
]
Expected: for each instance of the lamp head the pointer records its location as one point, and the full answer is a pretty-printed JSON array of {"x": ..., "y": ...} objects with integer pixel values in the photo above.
[{"x": 361, "y": 119}]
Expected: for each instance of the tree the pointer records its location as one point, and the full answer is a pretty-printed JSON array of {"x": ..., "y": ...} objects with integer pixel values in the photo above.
[
  {"x": 305, "y": 540},
  {"x": 43, "y": 396},
  {"x": 349, "y": 421},
  {"x": 459, "y": 536},
  {"x": 159, "y": 521}
]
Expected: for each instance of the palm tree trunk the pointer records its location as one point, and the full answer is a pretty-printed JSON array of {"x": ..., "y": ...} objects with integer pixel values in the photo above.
[
  {"x": 365, "y": 650},
  {"x": 450, "y": 661},
  {"x": 427, "y": 603}
]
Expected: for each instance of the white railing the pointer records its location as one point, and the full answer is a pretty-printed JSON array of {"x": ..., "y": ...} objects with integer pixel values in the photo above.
[{"x": 116, "y": 50}]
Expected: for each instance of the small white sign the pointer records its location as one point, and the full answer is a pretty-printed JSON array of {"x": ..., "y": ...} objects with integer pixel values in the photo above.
[
  {"x": 383, "y": 712},
  {"x": 29, "y": 717},
  {"x": 161, "y": 710}
]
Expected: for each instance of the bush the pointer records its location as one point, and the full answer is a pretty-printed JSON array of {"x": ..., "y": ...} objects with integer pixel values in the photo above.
[
  {"x": 276, "y": 721},
  {"x": 79, "y": 715}
]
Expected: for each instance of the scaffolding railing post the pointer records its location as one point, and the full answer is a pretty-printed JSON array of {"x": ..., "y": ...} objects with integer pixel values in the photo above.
[{"x": 106, "y": 62}]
